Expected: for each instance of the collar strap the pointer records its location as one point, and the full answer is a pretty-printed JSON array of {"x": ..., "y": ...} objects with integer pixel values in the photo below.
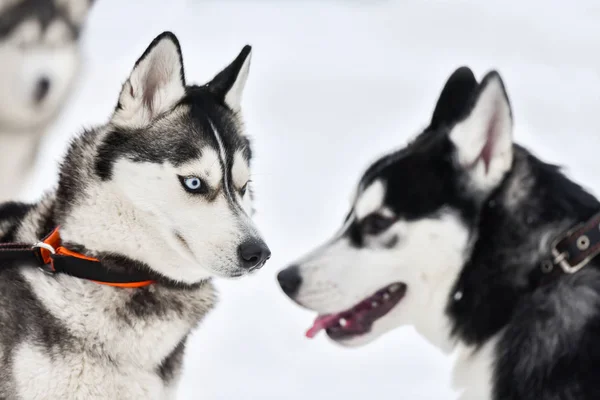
[
  {"x": 571, "y": 251},
  {"x": 51, "y": 257}
]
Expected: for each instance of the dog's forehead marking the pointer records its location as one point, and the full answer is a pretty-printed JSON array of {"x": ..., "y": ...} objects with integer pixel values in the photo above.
[
  {"x": 223, "y": 159},
  {"x": 210, "y": 166},
  {"x": 240, "y": 171},
  {"x": 370, "y": 199}
]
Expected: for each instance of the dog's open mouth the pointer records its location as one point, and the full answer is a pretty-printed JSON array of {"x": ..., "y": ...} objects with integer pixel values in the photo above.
[{"x": 359, "y": 319}]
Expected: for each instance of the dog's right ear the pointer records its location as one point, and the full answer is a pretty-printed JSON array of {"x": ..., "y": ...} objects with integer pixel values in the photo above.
[
  {"x": 454, "y": 99},
  {"x": 155, "y": 85}
]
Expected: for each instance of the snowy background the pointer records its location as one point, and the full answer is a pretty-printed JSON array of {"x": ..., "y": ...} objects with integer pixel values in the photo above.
[{"x": 332, "y": 85}]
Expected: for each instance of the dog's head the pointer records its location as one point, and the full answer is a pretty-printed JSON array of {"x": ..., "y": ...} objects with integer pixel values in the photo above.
[
  {"x": 40, "y": 58},
  {"x": 170, "y": 172},
  {"x": 409, "y": 231}
]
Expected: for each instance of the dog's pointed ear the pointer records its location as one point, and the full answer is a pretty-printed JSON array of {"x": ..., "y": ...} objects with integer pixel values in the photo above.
[
  {"x": 229, "y": 84},
  {"x": 454, "y": 99},
  {"x": 155, "y": 85},
  {"x": 483, "y": 138}
]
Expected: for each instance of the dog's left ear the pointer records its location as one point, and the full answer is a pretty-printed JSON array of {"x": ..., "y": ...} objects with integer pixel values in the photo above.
[
  {"x": 483, "y": 138},
  {"x": 155, "y": 85},
  {"x": 229, "y": 84},
  {"x": 454, "y": 99}
]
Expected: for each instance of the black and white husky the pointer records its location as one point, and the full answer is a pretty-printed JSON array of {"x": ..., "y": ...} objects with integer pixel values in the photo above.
[
  {"x": 39, "y": 61},
  {"x": 161, "y": 189},
  {"x": 452, "y": 234}
]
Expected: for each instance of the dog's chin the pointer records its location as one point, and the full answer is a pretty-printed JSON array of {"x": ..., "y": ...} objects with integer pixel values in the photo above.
[{"x": 364, "y": 322}]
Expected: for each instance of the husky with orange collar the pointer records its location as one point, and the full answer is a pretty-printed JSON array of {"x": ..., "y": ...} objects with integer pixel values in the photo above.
[{"x": 161, "y": 191}]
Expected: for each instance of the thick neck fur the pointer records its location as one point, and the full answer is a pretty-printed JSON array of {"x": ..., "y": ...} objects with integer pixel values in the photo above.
[{"x": 513, "y": 235}]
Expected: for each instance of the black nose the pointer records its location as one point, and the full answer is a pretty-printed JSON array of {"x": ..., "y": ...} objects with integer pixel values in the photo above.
[
  {"x": 41, "y": 89},
  {"x": 254, "y": 254},
  {"x": 290, "y": 280}
]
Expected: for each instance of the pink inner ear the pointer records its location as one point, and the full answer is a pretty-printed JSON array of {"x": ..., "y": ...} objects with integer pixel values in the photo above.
[{"x": 492, "y": 134}]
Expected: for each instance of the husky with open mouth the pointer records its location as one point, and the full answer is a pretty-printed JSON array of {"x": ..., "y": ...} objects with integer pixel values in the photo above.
[
  {"x": 476, "y": 243},
  {"x": 149, "y": 207}
]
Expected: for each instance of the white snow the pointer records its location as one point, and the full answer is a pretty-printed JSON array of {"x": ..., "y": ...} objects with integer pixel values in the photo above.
[{"x": 332, "y": 85}]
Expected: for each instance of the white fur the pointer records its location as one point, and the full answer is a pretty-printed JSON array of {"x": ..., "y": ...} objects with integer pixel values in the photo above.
[
  {"x": 154, "y": 86},
  {"x": 370, "y": 199},
  {"x": 233, "y": 98},
  {"x": 240, "y": 171},
  {"x": 489, "y": 123},
  {"x": 103, "y": 335},
  {"x": 473, "y": 370}
]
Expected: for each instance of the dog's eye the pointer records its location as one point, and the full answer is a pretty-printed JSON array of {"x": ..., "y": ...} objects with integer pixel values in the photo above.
[
  {"x": 192, "y": 184},
  {"x": 243, "y": 190},
  {"x": 374, "y": 224}
]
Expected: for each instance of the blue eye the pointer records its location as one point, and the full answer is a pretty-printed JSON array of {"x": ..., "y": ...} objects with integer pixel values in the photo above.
[{"x": 192, "y": 184}]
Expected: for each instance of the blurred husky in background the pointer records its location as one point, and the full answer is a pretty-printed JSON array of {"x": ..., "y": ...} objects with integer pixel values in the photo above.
[{"x": 39, "y": 59}]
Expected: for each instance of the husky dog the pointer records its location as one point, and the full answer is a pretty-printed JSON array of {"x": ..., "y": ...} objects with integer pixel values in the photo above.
[
  {"x": 40, "y": 58},
  {"x": 162, "y": 188},
  {"x": 448, "y": 235}
]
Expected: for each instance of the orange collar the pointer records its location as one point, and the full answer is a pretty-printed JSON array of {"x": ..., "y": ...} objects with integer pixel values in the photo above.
[{"x": 53, "y": 258}]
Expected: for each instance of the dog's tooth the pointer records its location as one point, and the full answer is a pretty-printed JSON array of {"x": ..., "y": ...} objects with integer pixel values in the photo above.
[
  {"x": 394, "y": 288},
  {"x": 386, "y": 297},
  {"x": 343, "y": 322},
  {"x": 374, "y": 304}
]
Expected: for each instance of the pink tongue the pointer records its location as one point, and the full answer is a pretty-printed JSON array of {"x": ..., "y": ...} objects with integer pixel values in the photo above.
[{"x": 322, "y": 322}]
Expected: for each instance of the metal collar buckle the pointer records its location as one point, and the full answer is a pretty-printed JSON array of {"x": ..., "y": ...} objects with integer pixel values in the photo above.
[
  {"x": 46, "y": 268},
  {"x": 561, "y": 258}
]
